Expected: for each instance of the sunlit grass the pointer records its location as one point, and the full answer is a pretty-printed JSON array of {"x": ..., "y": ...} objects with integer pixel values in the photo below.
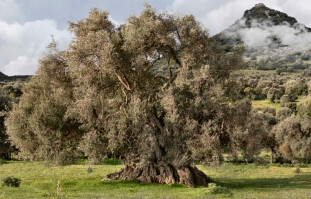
[
  {"x": 261, "y": 104},
  {"x": 252, "y": 181}
]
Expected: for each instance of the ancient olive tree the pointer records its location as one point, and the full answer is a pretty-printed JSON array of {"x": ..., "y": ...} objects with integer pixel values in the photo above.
[
  {"x": 38, "y": 125},
  {"x": 156, "y": 90}
]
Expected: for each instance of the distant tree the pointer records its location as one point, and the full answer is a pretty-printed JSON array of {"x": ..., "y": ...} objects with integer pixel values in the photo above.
[
  {"x": 299, "y": 64},
  {"x": 309, "y": 85},
  {"x": 268, "y": 110},
  {"x": 292, "y": 106},
  {"x": 5, "y": 146},
  {"x": 305, "y": 56},
  {"x": 304, "y": 107},
  {"x": 279, "y": 71},
  {"x": 284, "y": 100},
  {"x": 255, "y": 135},
  {"x": 38, "y": 126},
  {"x": 6, "y": 101},
  {"x": 294, "y": 138},
  {"x": 294, "y": 88},
  {"x": 291, "y": 58},
  {"x": 274, "y": 94},
  {"x": 284, "y": 113}
]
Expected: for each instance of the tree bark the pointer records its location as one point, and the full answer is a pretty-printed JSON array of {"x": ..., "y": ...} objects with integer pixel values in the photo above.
[
  {"x": 162, "y": 173},
  {"x": 271, "y": 156}
]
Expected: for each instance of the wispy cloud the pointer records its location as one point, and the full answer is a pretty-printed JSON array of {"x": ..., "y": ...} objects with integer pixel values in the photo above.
[
  {"x": 297, "y": 38},
  {"x": 26, "y": 26}
]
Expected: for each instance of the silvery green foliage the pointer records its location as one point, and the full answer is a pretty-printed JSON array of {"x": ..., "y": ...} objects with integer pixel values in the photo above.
[
  {"x": 294, "y": 88},
  {"x": 38, "y": 125},
  {"x": 156, "y": 89},
  {"x": 294, "y": 138},
  {"x": 304, "y": 107},
  {"x": 284, "y": 113}
]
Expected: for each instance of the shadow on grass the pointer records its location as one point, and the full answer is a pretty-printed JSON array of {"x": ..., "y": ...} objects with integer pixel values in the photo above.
[
  {"x": 135, "y": 183},
  {"x": 301, "y": 181},
  {"x": 2, "y": 161},
  {"x": 125, "y": 183},
  {"x": 111, "y": 161}
]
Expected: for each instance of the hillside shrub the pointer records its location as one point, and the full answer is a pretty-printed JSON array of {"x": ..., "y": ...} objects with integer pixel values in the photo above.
[{"x": 284, "y": 113}]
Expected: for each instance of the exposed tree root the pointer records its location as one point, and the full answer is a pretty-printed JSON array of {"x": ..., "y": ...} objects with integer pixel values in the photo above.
[{"x": 162, "y": 173}]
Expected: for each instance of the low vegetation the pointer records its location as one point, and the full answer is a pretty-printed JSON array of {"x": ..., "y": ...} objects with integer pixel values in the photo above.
[{"x": 231, "y": 181}]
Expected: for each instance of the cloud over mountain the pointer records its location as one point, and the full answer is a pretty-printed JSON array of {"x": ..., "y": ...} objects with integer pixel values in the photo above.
[{"x": 267, "y": 31}]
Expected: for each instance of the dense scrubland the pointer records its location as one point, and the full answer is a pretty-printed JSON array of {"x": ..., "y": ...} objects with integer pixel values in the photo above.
[{"x": 155, "y": 107}]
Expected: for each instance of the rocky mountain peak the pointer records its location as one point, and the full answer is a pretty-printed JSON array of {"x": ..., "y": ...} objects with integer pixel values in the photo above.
[
  {"x": 262, "y": 13},
  {"x": 267, "y": 31},
  {"x": 258, "y": 5}
]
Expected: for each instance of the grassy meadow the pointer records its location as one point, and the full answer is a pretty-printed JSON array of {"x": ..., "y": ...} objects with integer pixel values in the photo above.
[
  {"x": 261, "y": 104},
  {"x": 236, "y": 180}
]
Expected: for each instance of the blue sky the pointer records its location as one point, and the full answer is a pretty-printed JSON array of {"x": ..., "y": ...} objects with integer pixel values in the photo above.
[{"x": 26, "y": 26}]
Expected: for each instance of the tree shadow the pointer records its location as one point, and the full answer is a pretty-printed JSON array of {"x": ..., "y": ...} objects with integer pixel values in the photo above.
[
  {"x": 3, "y": 162},
  {"x": 300, "y": 181}
]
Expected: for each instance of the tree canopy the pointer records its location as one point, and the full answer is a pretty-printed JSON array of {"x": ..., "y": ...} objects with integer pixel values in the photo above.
[{"x": 155, "y": 90}]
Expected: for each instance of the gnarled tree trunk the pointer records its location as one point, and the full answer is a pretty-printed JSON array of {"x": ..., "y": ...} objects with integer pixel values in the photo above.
[{"x": 162, "y": 173}]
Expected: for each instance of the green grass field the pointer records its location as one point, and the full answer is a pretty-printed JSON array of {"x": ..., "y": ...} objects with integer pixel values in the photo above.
[
  {"x": 261, "y": 104},
  {"x": 241, "y": 181}
]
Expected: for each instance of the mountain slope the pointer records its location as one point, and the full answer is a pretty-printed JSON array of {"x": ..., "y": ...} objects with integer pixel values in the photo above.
[
  {"x": 4, "y": 77},
  {"x": 262, "y": 13},
  {"x": 272, "y": 27},
  {"x": 269, "y": 36}
]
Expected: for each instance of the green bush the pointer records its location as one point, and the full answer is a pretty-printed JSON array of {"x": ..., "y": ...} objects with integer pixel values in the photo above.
[
  {"x": 11, "y": 181},
  {"x": 292, "y": 106},
  {"x": 304, "y": 108},
  {"x": 213, "y": 189},
  {"x": 89, "y": 170}
]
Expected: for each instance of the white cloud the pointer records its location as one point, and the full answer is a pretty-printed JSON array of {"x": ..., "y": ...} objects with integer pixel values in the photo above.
[
  {"x": 300, "y": 9},
  {"x": 217, "y": 15},
  {"x": 21, "y": 65},
  {"x": 260, "y": 36},
  {"x": 10, "y": 11},
  {"x": 226, "y": 15},
  {"x": 25, "y": 27},
  {"x": 21, "y": 45}
]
